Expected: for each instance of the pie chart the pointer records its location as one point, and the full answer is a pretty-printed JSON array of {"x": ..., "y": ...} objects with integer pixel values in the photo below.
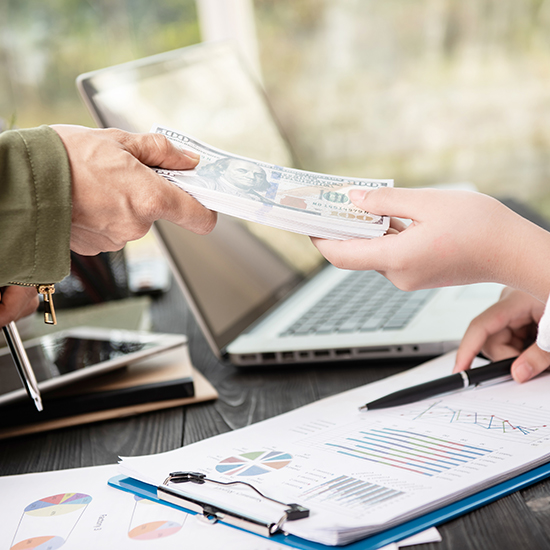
[
  {"x": 254, "y": 463},
  {"x": 56, "y": 505},
  {"x": 153, "y": 521},
  {"x": 49, "y": 515},
  {"x": 40, "y": 543},
  {"x": 154, "y": 530}
]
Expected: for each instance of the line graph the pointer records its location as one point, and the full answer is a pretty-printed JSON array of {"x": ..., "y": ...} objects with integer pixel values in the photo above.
[
  {"x": 485, "y": 421},
  {"x": 498, "y": 422}
]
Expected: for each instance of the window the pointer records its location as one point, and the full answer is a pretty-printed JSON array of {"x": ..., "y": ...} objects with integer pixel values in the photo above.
[
  {"x": 44, "y": 46},
  {"x": 422, "y": 91}
]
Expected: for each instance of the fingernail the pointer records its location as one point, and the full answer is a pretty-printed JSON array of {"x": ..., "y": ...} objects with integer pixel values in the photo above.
[
  {"x": 522, "y": 372},
  {"x": 357, "y": 195},
  {"x": 192, "y": 155}
]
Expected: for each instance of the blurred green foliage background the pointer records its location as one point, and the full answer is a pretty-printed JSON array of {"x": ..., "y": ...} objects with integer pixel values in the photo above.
[
  {"x": 46, "y": 44},
  {"x": 422, "y": 91}
]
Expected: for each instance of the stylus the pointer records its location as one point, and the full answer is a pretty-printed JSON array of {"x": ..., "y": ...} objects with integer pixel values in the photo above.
[
  {"x": 454, "y": 382},
  {"x": 21, "y": 360}
]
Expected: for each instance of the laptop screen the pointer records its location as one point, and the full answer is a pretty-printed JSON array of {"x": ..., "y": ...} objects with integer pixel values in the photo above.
[{"x": 235, "y": 274}]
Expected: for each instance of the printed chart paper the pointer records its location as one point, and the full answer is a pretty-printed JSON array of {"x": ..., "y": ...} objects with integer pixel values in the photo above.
[
  {"x": 76, "y": 510},
  {"x": 362, "y": 472}
]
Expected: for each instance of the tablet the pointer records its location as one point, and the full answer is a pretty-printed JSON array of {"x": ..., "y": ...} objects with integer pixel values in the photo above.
[{"x": 67, "y": 356}]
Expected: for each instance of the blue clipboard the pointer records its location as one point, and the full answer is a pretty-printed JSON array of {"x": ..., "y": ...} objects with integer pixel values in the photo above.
[{"x": 404, "y": 530}]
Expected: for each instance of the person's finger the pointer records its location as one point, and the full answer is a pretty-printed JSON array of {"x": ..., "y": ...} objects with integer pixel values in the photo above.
[
  {"x": 90, "y": 243},
  {"x": 398, "y": 225},
  {"x": 478, "y": 332},
  {"x": 30, "y": 307},
  {"x": 502, "y": 345},
  {"x": 391, "y": 201},
  {"x": 157, "y": 150},
  {"x": 361, "y": 254},
  {"x": 177, "y": 206},
  {"x": 531, "y": 362},
  {"x": 17, "y": 302}
]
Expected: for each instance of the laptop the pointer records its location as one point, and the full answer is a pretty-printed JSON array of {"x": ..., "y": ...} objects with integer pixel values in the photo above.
[{"x": 261, "y": 295}]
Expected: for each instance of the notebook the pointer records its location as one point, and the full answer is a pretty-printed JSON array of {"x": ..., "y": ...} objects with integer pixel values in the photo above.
[{"x": 264, "y": 296}]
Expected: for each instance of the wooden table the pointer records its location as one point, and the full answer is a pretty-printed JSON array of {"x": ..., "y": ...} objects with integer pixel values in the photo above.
[{"x": 519, "y": 521}]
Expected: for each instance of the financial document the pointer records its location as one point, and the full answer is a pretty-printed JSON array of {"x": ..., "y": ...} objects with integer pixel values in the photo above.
[
  {"x": 76, "y": 510},
  {"x": 304, "y": 202},
  {"x": 363, "y": 472}
]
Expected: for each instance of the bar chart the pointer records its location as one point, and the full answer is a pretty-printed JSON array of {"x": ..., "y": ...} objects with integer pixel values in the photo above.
[
  {"x": 407, "y": 450},
  {"x": 350, "y": 492}
]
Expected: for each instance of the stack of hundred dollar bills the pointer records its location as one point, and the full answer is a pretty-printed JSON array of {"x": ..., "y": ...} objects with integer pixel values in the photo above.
[{"x": 313, "y": 204}]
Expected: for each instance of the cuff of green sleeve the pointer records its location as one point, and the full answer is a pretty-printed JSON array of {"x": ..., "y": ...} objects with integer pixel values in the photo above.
[{"x": 52, "y": 184}]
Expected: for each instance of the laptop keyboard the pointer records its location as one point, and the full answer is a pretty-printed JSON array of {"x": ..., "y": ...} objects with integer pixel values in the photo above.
[{"x": 365, "y": 302}]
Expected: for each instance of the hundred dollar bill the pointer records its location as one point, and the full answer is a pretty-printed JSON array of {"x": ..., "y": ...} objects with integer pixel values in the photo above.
[{"x": 296, "y": 200}]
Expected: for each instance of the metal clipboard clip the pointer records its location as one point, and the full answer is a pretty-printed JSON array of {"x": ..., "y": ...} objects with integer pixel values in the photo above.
[{"x": 214, "y": 512}]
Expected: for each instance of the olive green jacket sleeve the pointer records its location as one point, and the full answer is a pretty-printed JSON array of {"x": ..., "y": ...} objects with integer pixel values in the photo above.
[{"x": 35, "y": 207}]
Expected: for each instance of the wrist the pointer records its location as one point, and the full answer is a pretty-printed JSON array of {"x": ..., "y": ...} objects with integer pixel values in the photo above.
[{"x": 528, "y": 260}]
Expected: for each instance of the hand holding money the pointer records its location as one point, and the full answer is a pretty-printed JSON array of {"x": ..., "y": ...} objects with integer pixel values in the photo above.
[
  {"x": 115, "y": 196},
  {"x": 313, "y": 204},
  {"x": 455, "y": 238}
]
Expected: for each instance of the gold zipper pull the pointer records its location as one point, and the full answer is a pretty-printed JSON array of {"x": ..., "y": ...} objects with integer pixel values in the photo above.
[{"x": 49, "y": 310}]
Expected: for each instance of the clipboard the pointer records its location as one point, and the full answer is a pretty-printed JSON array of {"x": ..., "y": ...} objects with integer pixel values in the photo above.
[{"x": 383, "y": 538}]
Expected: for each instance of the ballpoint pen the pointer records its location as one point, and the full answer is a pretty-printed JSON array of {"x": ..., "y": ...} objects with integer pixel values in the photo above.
[
  {"x": 21, "y": 360},
  {"x": 453, "y": 382}
]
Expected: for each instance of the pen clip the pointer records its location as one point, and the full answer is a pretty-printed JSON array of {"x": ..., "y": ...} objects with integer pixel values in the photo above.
[
  {"x": 214, "y": 512},
  {"x": 494, "y": 381}
]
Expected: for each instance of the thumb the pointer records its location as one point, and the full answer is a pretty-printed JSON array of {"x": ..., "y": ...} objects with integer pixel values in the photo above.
[
  {"x": 531, "y": 362},
  {"x": 157, "y": 150},
  {"x": 17, "y": 302},
  {"x": 391, "y": 201}
]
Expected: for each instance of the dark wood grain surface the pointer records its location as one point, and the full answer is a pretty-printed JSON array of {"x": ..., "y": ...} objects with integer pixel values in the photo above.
[{"x": 520, "y": 521}]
